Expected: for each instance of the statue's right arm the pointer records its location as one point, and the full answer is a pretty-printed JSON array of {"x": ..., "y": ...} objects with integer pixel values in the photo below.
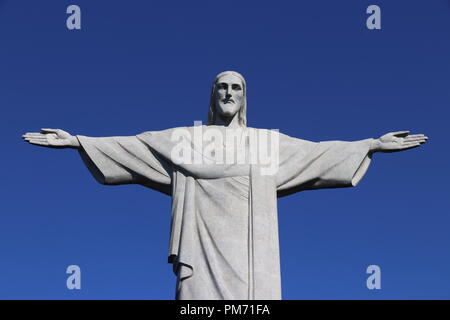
[{"x": 52, "y": 138}]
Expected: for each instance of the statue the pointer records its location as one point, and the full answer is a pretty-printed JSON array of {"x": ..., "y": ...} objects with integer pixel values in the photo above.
[{"x": 224, "y": 231}]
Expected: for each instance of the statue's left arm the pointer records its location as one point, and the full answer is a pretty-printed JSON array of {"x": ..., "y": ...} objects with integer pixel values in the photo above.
[{"x": 306, "y": 165}]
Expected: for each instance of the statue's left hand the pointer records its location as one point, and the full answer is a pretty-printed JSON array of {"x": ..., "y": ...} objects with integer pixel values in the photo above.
[{"x": 398, "y": 141}]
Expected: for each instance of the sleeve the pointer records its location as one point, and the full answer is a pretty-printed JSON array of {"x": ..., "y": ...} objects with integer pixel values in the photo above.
[
  {"x": 125, "y": 160},
  {"x": 306, "y": 165}
]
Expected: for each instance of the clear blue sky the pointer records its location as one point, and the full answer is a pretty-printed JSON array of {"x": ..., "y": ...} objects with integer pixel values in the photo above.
[{"x": 313, "y": 70}]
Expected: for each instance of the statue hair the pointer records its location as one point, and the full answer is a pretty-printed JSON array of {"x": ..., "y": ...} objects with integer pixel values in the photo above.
[{"x": 242, "y": 113}]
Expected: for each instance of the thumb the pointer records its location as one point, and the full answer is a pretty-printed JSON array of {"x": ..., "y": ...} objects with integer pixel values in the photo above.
[
  {"x": 401, "y": 133},
  {"x": 47, "y": 130}
]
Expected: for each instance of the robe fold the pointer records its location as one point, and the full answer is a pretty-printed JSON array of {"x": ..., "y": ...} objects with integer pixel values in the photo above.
[{"x": 224, "y": 228}]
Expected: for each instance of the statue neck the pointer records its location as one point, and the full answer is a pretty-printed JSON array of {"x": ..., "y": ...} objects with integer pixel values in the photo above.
[{"x": 228, "y": 122}]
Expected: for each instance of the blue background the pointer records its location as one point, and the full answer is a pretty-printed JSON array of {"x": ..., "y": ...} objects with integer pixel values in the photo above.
[{"x": 313, "y": 70}]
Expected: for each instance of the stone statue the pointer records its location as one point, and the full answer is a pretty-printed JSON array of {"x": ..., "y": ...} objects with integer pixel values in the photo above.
[{"x": 224, "y": 231}]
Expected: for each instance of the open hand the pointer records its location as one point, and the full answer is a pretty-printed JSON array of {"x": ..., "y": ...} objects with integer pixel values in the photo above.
[
  {"x": 398, "y": 141},
  {"x": 52, "y": 138}
]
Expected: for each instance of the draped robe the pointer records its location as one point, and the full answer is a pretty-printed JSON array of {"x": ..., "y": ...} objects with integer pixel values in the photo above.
[{"x": 224, "y": 228}]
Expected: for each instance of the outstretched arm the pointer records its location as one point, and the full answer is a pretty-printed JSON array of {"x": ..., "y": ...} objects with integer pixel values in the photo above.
[
  {"x": 306, "y": 165},
  {"x": 397, "y": 141},
  {"x": 112, "y": 160},
  {"x": 52, "y": 138}
]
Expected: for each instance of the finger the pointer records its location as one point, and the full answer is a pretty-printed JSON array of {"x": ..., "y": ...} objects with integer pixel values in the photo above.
[
  {"x": 39, "y": 142},
  {"x": 401, "y": 133},
  {"x": 415, "y": 140},
  {"x": 416, "y": 136},
  {"x": 33, "y": 134},
  {"x": 410, "y": 145},
  {"x": 37, "y": 139},
  {"x": 414, "y": 143},
  {"x": 408, "y": 138}
]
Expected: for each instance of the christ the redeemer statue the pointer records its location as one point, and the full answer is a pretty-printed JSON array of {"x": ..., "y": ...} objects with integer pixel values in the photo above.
[{"x": 224, "y": 232}]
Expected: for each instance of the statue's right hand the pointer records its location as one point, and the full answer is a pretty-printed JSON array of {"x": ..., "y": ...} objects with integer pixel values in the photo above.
[{"x": 52, "y": 138}]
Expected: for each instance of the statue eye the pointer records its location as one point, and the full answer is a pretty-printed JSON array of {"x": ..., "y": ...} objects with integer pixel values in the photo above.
[
  {"x": 223, "y": 86},
  {"x": 236, "y": 87}
]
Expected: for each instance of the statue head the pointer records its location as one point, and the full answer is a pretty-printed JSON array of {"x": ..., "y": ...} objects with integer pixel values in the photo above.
[{"x": 228, "y": 98}]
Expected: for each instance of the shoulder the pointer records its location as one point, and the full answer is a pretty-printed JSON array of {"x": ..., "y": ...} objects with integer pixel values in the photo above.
[
  {"x": 284, "y": 138},
  {"x": 163, "y": 132}
]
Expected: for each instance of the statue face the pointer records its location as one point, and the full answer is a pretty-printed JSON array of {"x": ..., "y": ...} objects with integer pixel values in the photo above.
[{"x": 229, "y": 95}]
